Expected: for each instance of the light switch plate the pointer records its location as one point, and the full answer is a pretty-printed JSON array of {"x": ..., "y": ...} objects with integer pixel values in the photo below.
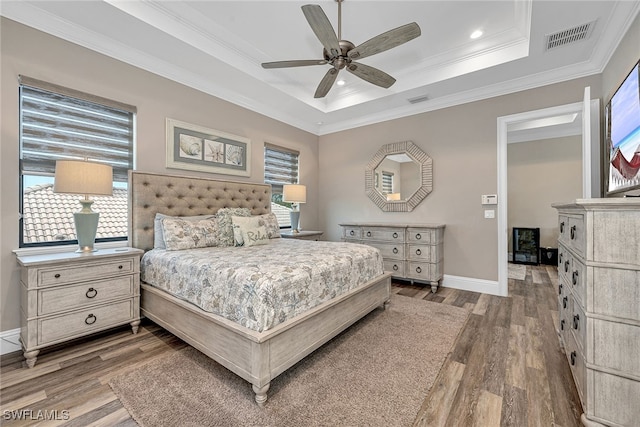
[{"x": 489, "y": 213}]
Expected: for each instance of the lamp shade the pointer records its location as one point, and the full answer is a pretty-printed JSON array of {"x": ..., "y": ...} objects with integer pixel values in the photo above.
[
  {"x": 79, "y": 177},
  {"x": 294, "y": 193}
]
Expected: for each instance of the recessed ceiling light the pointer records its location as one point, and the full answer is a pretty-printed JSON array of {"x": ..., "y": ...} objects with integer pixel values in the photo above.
[
  {"x": 476, "y": 34},
  {"x": 340, "y": 82}
]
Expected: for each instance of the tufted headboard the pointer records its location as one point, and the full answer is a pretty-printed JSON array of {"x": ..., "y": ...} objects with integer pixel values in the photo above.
[{"x": 150, "y": 193}]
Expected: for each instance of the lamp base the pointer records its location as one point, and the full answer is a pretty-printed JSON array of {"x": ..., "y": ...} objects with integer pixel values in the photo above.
[
  {"x": 295, "y": 221},
  {"x": 86, "y": 222}
]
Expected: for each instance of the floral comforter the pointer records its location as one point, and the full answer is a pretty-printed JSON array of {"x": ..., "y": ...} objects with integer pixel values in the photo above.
[{"x": 262, "y": 286}]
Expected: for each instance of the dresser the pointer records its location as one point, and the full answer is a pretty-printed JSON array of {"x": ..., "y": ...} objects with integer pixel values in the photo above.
[
  {"x": 413, "y": 252},
  {"x": 69, "y": 295},
  {"x": 599, "y": 306}
]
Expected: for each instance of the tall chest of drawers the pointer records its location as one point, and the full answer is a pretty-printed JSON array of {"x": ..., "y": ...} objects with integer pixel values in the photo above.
[
  {"x": 413, "y": 252},
  {"x": 69, "y": 295},
  {"x": 599, "y": 306}
]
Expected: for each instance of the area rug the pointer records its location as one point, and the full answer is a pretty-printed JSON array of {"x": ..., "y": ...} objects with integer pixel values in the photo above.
[
  {"x": 517, "y": 271},
  {"x": 376, "y": 373}
]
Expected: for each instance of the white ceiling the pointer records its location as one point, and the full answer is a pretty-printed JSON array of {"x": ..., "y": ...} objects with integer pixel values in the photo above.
[{"x": 218, "y": 46}]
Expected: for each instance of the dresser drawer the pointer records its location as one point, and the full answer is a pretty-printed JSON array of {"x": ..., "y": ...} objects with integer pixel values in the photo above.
[
  {"x": 573, "y": 232},
  {"x": 578, "y": 324},
  {"x": 352, "y": 233},
  {"x": 425, "y": 235},
  {"x": 81, "y": 272},
  {"x": 608, "y": 390},
  {"x": 577, "y": 365},
  {"x": 616, "y": 292},
  {"x": 424, "y": 271},
  {"x": 426, "y": 253},
  {"x": 54, "y": 328},
  {"x": 387, "y": 234},
  {"x": 578, "y": 279},
  {"x": 396, "y": 267},
  {"x": 59, "y": 299},
  {"x": 388, "y": 250}
]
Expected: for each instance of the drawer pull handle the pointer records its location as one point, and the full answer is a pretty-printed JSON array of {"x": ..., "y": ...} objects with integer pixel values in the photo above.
[
  {"x": 395, "y": 235},
  {"x": 418, "y": 270},
  {"x": 576, "y": 321},
  {"x": 562, "y": 227},
  {"x": 395, "y": 267},
  {"x": 91, "y": 319},
  {"x": 573, "y": 358},
  {"x": 57, "y": 275},
  {"x": 368, "y": 234},
  {"x": 418, "y": 252},
  {"x": 351, "y": 232},
  {"x": 560, "y": 289},
  {"x": 562, "y": 325},
  {"x": 418, "y": 236},
  {"x": 574, "y": 277},
  {"x": 91, "y": 293},
  {"x": 120, "y": 267},
  {"x": 573, "y": 232},
  {"x": 564, "y": 302},
  {"x": 566, "y": 266},
  {"x": 560, "y": 259},
  {"x": 395, "y": 250}
]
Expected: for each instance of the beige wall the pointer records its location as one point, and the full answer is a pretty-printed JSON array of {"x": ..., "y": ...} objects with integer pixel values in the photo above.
[
  {"x": 38, "y": 55},
  {"x": 462, "y": 141},
  {"x": 540, "y": 173}
]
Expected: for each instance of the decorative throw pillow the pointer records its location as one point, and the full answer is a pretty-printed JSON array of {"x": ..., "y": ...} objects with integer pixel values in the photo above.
[
  {"x": 181, "y": 234},
  {"x": 158, "y": 235},
  {"x": 271, "y": 223},
  {"x": 243, "y": 225},
  {"x": 255, "y": 236},
  {"x": 226, "y": 223}
]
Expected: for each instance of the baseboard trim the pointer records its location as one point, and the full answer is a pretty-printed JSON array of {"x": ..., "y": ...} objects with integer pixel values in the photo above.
[
  {"x": 10, "y": 341},
  {"x": 471, "y": 284}
]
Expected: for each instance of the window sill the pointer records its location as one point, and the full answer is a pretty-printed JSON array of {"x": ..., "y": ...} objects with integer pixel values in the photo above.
[{"x": 65, "y": 248}]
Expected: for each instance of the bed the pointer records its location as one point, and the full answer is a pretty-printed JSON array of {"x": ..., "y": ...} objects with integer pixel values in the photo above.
[{"x": 256, "y": 354}]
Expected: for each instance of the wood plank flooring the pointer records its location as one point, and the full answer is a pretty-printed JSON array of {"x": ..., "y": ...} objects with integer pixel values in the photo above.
[{"x": 506, "y": 368}]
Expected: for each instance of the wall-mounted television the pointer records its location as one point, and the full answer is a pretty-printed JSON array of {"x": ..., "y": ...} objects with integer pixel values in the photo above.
[{"x": 622, "y": 135}]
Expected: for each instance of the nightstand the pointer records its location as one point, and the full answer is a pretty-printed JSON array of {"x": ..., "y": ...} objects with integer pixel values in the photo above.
[
  {"x": 70, "y": 295},
  {"x": 302, "y": 235}
]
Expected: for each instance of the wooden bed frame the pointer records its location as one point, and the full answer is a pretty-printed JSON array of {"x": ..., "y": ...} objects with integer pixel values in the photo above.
[{"x": 258, "y": 357}]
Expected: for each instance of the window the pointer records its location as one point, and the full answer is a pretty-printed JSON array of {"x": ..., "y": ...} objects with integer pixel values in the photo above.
[
  {"x": 280, "y": 168},
  {"x": 387, "y": 182},
  {"x": 58, "y": 123}
]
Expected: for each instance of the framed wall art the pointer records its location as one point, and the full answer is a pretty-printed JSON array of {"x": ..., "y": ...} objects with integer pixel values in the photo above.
[{"x": 196, "y": 148}]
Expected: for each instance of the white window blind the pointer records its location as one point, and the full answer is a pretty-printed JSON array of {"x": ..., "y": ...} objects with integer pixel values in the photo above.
[
  {"x": 387, "y": 182},
  {"x": 280, "y": 167}
]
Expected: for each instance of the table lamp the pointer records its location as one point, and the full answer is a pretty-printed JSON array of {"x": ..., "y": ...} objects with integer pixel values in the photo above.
[
  {"x": 295, "y": 194},
  {"x": 83, "y": 177}
]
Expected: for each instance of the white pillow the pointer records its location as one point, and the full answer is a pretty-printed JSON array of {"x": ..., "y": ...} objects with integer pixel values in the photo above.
[
  {"x": 253, "y": 226},
  {"x": 180, "y": 234},
  {"x": 255, "y": 236},
  {"x": 158, "y": 235}
]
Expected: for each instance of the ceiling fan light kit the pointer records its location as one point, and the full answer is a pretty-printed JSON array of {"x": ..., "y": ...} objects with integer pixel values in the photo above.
[{"x": 341, "y": 53}]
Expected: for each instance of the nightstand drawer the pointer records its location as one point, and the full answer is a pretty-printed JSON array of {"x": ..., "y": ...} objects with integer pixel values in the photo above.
[
  {"x": 84, "y": 321},
  {"x": 59, "y": 299},
  {"x": 71, "y": 274}
]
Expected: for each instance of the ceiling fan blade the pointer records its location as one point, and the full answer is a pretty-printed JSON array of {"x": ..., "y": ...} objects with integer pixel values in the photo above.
[
  {"x": 322, "y": 28},
  {"x": 370, "y": 74},
  {"x": 326, "y": 83},
  {"x": 385, "y": 41},
  {"x": 294, "y": 63}
]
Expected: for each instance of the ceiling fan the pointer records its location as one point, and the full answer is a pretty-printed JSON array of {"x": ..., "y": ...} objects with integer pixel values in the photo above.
[{"x": 341, "y": 53}]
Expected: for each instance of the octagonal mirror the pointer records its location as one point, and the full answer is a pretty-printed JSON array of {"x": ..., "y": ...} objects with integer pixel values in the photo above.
[{"x": 399, "y": 177}]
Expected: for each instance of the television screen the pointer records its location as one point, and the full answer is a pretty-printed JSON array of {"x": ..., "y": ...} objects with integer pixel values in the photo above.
[{"x": 623, "y": 134}]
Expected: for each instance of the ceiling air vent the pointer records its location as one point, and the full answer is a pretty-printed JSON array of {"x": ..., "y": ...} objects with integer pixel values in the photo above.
[
  {"x": 571, "y": 35},
  {"x": 418, "y": 99}
]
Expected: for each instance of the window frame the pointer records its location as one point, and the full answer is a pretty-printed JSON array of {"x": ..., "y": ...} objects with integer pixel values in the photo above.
[
  {"x": 30, "y": 86},
  {"x": 275, "y": 172}
]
